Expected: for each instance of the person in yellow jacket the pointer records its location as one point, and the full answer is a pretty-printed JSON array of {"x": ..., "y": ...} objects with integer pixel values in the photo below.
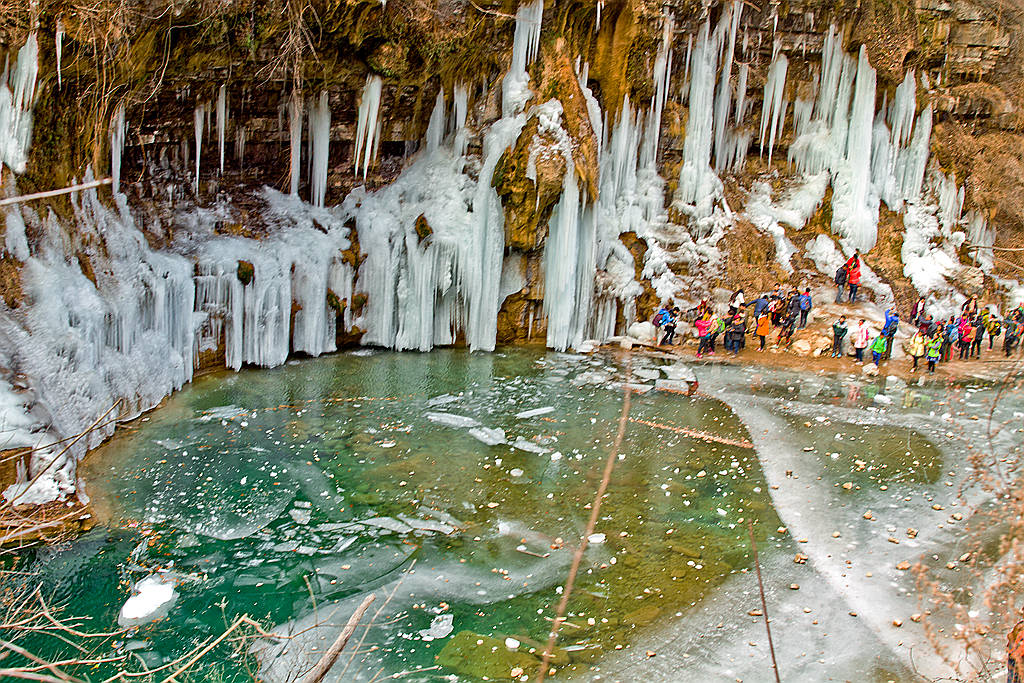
[{"x": 916, "y": 348}]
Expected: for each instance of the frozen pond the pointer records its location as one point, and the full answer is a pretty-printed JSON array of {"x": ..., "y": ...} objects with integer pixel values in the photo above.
[{"x": 458, "y": 484}]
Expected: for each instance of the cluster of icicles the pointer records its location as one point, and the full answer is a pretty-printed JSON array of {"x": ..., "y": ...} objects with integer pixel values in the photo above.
[{"x": 138, "y": 333}]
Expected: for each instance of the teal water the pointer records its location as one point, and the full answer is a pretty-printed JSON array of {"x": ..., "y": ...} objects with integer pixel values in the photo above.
[{"x": 289, "y": 494}]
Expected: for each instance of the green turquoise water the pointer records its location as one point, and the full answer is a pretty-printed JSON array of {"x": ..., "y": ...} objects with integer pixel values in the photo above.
[{"x": 262, "y": 493}]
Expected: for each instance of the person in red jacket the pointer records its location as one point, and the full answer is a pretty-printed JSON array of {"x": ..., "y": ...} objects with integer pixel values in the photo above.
[{"x": 853, "y": 275}]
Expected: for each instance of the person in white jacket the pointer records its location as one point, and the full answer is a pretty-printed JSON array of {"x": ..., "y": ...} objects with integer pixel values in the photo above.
[{"x": 861, "y": 339}]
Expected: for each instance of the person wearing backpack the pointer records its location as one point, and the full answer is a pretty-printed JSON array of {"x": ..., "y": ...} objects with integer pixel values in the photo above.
[
  {"x": 994, "y": 327},
  {"x": 734, "y": 335},
  {"x": 670, "y": 328},
  {"x": 892, "y": 324},
  {"x": 979, "y": 336},
  {"x": 661, "y": 316},
  {"x": 966, "y": 337},
  {"x": 950, "y": 336},
  {"x": 933, "y": 349},
  {"x": 840, "y": 280},
  {"x": 839, "y": 330},
  {"x": 1011, "y": 335},
  {"x": 805, "y": 306}
]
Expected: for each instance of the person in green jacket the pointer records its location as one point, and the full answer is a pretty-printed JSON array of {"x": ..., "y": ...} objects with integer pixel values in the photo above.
[
  {"x": 878, "y": 347},
  {"x": 932, "y": 351}
]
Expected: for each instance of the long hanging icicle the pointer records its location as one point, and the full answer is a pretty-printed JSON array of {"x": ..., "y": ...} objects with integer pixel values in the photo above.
[
  {"x": 662, "y": 78},
  {"x": 723, "y": 99},
  {"x": 295, "y": 138},
  {"x": 773, "y": 107},
  {"x": 58, "y": 41},
  {"x": 222, "y": 121},
  {"x": 117, "y": 131},
  {"x": 367, "y": 126},
  {"x": 515, "y": 90},
  {"x": 200, "y": 119},
  {"x": 320, "y": 133},
  {"x": 240, "y": 146}
]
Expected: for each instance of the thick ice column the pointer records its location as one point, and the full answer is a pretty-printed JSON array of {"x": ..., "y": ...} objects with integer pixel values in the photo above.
[
  {"x": 117, "y": 130},
  {"x": 854, "y": 209},
  {"x": 295, "y": 138},
  {"x": 698, "y": 184},
  {"x": 662, "y": 78},
  {"x": 367, "y": 126},
  {"x": 515, "y": 91},
  {"x": 436, "y": 126},
  {"x": 320, "y": 134},
  {"x": 17, "y": 96}
]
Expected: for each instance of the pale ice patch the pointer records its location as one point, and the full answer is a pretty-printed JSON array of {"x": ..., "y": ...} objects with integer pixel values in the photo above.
[
  {"x": 450, "y": 420},
  {"x": 152, "y": 599}
]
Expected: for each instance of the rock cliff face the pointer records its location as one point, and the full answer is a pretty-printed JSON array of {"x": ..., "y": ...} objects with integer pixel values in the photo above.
[{"x": 291, "y": 178}]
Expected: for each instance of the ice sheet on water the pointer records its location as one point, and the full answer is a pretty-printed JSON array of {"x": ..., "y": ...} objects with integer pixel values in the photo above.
[
  {"x": 451, "y": 420},
  {"x": 647, "y": 373},
  {"x": 389, "y": 523},
  {"x": 679, "y": 371},
  {"x": 491, "y": 437},
  {"x": 535, "y": 412},
  {"x": 431, "y": 525},
  {"x": 322, "y": 493}
]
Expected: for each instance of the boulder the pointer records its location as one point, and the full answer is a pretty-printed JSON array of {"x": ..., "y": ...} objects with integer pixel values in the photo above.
[{"x": 870, "y": 370}]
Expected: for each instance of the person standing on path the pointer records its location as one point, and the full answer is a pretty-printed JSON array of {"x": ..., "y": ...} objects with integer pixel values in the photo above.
[
  {"x": 916, "y": 348},
  {"x": 917, "y": 312},
  {"x": 840, "y": 280},
  {"x": 853, "y": 275},
  {"x": 892, "y": 324},
  {"x": 878, "y": 349},
  {"x": 861, "y": 337},
  {"x": 805, "y": 306},
  {"x": 839, "y": 330},
  {"x": 764, "y": 328},
  {"x": 933, "y": 349}
]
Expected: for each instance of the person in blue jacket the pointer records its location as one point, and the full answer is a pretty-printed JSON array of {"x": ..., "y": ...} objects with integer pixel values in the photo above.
[
  {"x": 892, "y": 324},
  {"x": 805, "y": 304}
]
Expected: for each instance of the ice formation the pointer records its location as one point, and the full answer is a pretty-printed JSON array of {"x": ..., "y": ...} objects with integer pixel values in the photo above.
[
  {"x": 295, "y": 140},
  {"x": 117, "y": 132},
  {"x": 222, "y": 121},
  {"x": 320, "y": 136},
  {"x": 200, "y": 120},
  {"x": 368, "y": 125},
  {"x": 17, "y": 95}
]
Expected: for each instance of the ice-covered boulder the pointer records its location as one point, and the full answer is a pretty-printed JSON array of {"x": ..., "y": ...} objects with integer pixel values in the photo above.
[{"x": 643, "y": 331}]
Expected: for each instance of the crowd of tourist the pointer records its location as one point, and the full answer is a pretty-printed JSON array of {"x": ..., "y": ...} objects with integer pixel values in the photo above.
[{"x": 784, "y": 311}]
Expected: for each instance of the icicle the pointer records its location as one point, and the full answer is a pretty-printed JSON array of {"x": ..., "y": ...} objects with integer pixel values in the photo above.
[
  {"x": 222, "y": 121},
  {"x": 461, "y": 97},
  {"x": 240, "y": 146},
  {"x": 117, "y": 131},
  {"x": 17, "y": 96},
  {"x": 367, "y": 126},
  {"x": 662, "y": 78},
  {"x": 917, "y": 157},
  {"x": 723, "y": 99},
  {"x": 320, "y": 134},
  {"x": 741, "y": 93},
  {"x": 773, "y": 107},
  {"x": 58, "y": 41},
  {"x": 200, "y": 119},
  {"x": 515, "y": 91},
  {"x": 600, "y": 7},
  {"x": 295, "y": 136}
]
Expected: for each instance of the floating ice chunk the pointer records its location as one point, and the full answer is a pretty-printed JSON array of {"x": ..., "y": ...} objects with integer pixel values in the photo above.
[
  {"x": 442, "y": 516},
  {"x": 152, "y": 598},
  {"x": 443, "y": 399},
  {"x": 535, "y": 412},
  {"x": 440, "y": 627},
  {"x": 588, "y": 346},
  {"x": 672, "y": 385},
  {"x": 636, "y": 388},
  {"x": 450, "y": 420},
  {"x": 596, "y": 539},
  {"x": 221, "y": 413},
  {"x": 516, "y": 472},
  {"x": 343, "y": 544},
  {"x": 529, "y": 446},
  {"x": 301, "y": 516},
  {"x": 389, "y": 523},
  {"x": 491, "y": 437}
]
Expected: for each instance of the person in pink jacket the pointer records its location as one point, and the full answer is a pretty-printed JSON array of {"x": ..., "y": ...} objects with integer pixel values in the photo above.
[
  {"x": 861, "y": 338},
  {"x": 703, "y": 325}
]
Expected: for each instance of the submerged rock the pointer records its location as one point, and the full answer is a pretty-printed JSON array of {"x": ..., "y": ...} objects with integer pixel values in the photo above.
[{"x": 482, "y": 657}]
